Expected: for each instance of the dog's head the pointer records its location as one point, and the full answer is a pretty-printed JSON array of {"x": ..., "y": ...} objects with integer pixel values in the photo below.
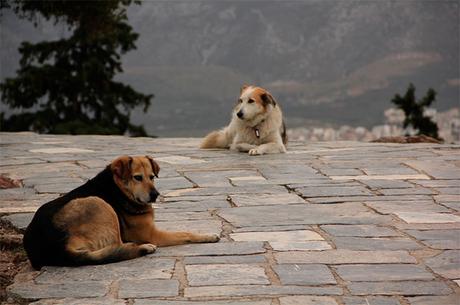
[
  {"x": 254, "y": 104},
  {"x": 135, "y": 177}
]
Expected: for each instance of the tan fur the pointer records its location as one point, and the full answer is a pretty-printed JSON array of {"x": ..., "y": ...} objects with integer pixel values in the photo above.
[
  {"x": 125, "y": 168},
  {"x": 263, "y": 115},
  {"x": 98, "y": 234},
  {"x": 216, "y": 139}
]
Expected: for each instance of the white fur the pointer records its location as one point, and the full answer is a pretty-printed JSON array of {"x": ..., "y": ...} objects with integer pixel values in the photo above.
[{"x": 240, "y": 133}]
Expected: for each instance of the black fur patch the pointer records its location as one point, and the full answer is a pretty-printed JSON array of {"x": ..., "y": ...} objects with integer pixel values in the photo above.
[
  {"x": 45, "y": 243},
  {"x": 268, "y": 99},
  {"x": 283, "y": 134}
]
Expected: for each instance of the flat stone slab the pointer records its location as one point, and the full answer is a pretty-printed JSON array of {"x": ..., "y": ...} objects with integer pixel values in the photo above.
[
  {"x": 228, "y": 190},
  {"x": 147, "y": 288},
  {"x": 19, "y": 193},
  {"x": 340, "y": 256},
  {"x": 33, "y": 181},
  {"x": 201, "y": 226},
  {"x": 160, "y": 302},
  {"x": 341, "y": 171},
  {"x": 427, "y": 217},
  {"x": 81, "y": 289},
  {"x": 446, "y": 264},
  {"x": 408, "y": 191},
  {"x": 382, "y": 273},
  {"x": 382, "y": 177},
  {"x": 280, "y": 236},
  {"x": 245, "y": 180},
  {"x": 225, "y": 274},
  {"x": 215, "y": 178},
  {"x": 439, "y": 183},
  {"x": 271, "y": 228},
  {"x": 307, "y": 300},
  {"x": 58, "y": 188},
  {"x": 225, "y": 259},
  {"x": 438, "y": 239},
  {"x": 436, "y": 169},
  {"x": 347, "y": 213},
  {"x": 172, "y": 183},
  {"x": 313, "y": 245},
  {"x": 89, "y": 301},
  {"x": 329, "y": 191},
  {"x": 257, "y": 290},
  {"x": 192, "y": 206},
  {"x": 400, "y": 170},
  {"x": 20, "y": 220},
  {"x": 360, "y": 199},
  {"x": 265, "y": 199},
  {"x": 359, "y": 231},
  {"x": 435, "y": 300},
  {"x": 61, "y": 150},
  {"x": 412, "y": 288},
  {"x": 388, "y": 184},
  {"x": 311, "y": 274},
  {"x": 407, "y": 207},
  {"x": 221, "y": 248},
  {"x": 372, "y": 244},
  {"x": 371, "y": 300},
  {"x": 179, "y": 160},
  {"x": 147, "y": 267},
  {"x": 166, "y": 216}
]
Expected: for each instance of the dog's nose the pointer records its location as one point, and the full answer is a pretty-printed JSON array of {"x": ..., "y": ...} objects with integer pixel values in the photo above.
[
  {"x": 240, "y": 114},
  {"x": 154, "y": 195}
]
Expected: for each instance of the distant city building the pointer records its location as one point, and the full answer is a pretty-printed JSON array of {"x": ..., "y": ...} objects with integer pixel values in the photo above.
[{"x": 448, "y": 123}]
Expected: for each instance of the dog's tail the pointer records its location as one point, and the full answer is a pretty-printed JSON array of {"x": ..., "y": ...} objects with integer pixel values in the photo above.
[
  {"x": 284, "y": 134},
  {"x": 216, "y": 139}
]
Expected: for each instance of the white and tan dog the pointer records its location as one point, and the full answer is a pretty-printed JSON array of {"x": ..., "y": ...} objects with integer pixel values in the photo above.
[{"x": 256, "y": 127}]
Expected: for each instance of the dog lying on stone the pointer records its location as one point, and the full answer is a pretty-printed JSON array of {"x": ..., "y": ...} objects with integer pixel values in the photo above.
[
  {"x": 256, "y": 127},
  {"x": 108, "y": 219}
]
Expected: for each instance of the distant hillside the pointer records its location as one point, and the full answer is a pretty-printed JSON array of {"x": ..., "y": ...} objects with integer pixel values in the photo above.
[{"x": 327, "y": 62}]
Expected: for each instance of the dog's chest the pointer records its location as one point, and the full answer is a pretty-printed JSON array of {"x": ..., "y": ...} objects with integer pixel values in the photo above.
[{"x": 253, "y": 135}]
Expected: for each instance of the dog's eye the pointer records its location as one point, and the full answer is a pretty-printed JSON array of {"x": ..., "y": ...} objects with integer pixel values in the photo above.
[
  {"x": 138, "y": 177},
  {"x": 250, "y": 101},
  {"x": 240, "y": 101}
]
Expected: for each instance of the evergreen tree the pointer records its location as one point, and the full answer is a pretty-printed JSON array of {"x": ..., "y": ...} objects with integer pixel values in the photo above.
[
  {"x": 67, "y": 84},
  {"x": 414, "y": 111}
]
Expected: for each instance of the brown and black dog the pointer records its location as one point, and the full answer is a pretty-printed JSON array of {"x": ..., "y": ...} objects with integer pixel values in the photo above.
[{"x": 108, "y": 219}]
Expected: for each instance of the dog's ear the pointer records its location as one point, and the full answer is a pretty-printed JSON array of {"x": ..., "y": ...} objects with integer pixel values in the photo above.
[
  {"x": 121, "y": 167},
  {"x": 155, "y": 166},
  {"x": 267, "y": 98},
  {"x": 244, "y": 87}
]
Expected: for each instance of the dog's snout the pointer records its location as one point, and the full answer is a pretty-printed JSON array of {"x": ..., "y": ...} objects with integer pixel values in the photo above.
[
  {"x": 154, "y": 195},
  {"x": 240, "y": 114}
]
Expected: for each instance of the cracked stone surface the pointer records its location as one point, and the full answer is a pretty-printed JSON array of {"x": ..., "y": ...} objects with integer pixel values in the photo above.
[
  {"x": 225, "y": 274},
  {"x": 328, "y": 223}
]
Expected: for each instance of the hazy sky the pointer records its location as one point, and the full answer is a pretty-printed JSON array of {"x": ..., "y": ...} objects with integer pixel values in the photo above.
[{"x": 327, "y": 62}]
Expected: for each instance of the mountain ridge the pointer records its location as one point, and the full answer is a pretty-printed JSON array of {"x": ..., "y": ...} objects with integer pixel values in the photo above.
[{"x": 339, "y": 62}]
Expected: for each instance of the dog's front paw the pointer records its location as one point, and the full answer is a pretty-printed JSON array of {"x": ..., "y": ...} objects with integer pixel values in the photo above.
[
  {"x": 211, "y": 238},
  {"x": 147, "y": 248},
  {"x": 255, "y": 152}
]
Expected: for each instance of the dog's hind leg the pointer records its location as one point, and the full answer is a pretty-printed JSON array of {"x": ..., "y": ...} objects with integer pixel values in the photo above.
[
  {"x": 94, "y": 233},
  {"x": 109, "y": 254}
]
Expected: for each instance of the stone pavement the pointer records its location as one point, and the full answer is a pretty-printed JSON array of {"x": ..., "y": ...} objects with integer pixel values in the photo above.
[{"x": 327, "y": 223}]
